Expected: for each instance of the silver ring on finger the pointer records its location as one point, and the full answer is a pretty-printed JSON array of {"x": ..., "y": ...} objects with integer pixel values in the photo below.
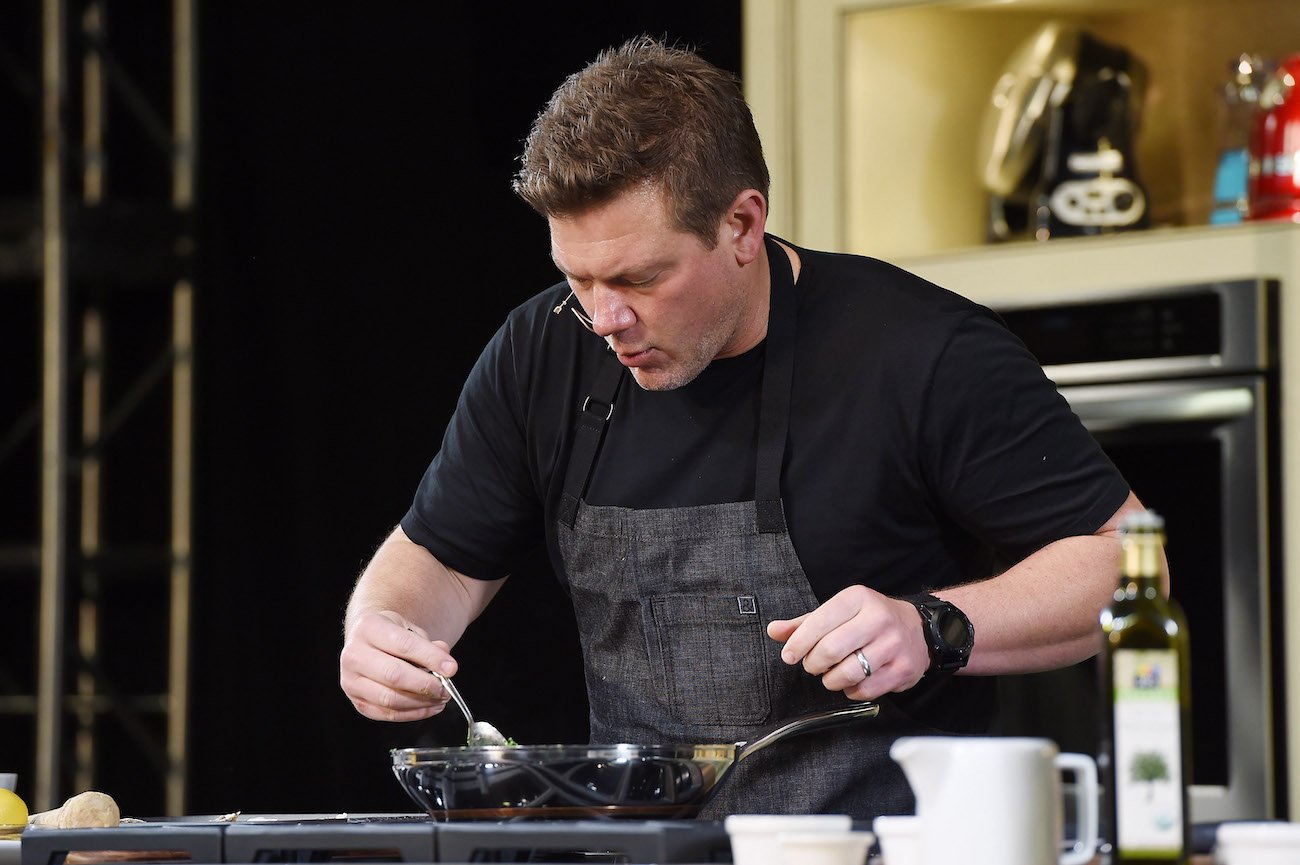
[{"x": 866, "y": 665}]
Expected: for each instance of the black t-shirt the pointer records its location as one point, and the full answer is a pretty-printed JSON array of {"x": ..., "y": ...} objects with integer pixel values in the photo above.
[{"x": 926, "y": 447}]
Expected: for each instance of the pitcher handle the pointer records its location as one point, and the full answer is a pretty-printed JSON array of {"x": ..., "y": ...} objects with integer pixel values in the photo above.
[{"x": 1085, "y": 769}]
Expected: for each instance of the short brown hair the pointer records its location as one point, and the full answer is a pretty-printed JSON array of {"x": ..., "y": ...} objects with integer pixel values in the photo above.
[{"x": 645, "y": 113}]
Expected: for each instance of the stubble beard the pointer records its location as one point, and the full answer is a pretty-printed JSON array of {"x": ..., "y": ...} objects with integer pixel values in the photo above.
[
  {"x": 685, "y": 369},
  {"x": 730, "y": 312}
]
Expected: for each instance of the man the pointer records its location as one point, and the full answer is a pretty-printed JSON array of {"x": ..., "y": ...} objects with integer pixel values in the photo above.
[{"x": 809, "y": 444}]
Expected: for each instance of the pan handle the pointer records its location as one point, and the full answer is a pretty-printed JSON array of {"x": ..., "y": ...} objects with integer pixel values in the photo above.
[{"x": 808, "y": 723}]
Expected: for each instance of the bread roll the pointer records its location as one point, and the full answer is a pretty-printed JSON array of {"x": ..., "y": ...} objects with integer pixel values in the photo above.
[{"x": 87, "y": 810}]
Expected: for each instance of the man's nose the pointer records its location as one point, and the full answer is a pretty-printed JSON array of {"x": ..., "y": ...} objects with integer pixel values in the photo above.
[{"x": 609, "y": 314}]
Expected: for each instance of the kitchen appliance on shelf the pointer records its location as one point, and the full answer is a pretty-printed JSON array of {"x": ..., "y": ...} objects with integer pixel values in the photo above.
[
  {"x": 1238, "y": 103},
  {"x": 1274, "y": 183},
  {"x": 1056, "y": 151}
]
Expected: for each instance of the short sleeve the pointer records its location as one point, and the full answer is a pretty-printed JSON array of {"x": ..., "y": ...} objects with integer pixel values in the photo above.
[
  {"x": 1008, "y": 459},
  {"x": 477, "y": 509}
]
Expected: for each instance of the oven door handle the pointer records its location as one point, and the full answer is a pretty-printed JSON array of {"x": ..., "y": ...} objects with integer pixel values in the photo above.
[{"x": 1122, "y": 406}]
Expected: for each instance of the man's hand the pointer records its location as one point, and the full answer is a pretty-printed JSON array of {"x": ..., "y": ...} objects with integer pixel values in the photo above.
[
  {"x": 386, "y": 658},
  {"x": 885, "y": 630},
  {"x": 384, "y": 668}
]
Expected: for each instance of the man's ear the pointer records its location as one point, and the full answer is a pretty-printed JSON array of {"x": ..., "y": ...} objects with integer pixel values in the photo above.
[{"x": 744, "y": 224}]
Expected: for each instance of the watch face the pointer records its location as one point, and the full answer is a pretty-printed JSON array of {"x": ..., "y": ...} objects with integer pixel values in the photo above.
[{"x": 953, "y": 629}]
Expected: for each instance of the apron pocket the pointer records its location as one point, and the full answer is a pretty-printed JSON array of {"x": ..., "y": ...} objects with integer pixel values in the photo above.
[{"x": 710, "y": 655}]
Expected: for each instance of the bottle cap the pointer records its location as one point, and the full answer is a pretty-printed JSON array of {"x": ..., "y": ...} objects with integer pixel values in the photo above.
[{"x": 1141, "y": 521}]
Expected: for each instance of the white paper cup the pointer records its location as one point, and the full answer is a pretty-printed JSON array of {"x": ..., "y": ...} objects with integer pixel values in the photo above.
[
  {"x": 8, "y": 780},
  {"x": 753, "y": 836},
  {"x": 900, "y": 839},
  {"x": 824, "y": 848},
  {"x": 1248, "y": 843}
]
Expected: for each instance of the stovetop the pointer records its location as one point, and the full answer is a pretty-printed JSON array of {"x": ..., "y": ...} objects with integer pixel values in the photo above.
[{"x": 380, "y": 838}]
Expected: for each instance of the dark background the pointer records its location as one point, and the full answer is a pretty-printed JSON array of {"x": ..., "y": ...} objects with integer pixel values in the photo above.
[
  {"x": 358, "y": 244},
  {"x": 361, "y": 244}
]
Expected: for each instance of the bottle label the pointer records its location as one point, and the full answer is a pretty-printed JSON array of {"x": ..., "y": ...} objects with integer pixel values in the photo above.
[{"x": 1148, "y": 753}]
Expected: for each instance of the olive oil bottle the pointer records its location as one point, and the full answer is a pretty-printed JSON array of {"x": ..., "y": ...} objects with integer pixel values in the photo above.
[{"x": 1146, "y": 748}]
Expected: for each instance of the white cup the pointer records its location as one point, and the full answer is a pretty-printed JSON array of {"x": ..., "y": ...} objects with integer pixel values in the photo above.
[
  {"x": 825, "y": 848},
  {"x": 754, "y": 836},
  {"x": 1251, "y": 843},
  {"x": 8, "y": 780},
  {"x": 900, "y": 838}
]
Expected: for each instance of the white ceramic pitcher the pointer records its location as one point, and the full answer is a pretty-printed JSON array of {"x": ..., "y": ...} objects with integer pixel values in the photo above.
[{"x": 996, "y": 800}]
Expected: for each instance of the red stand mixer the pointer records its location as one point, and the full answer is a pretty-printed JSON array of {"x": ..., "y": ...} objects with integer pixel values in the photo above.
[{"x": 1274, "y": 182}]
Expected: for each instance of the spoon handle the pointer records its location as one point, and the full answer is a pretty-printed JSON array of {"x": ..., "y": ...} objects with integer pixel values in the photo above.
[{"x": 455, "y": 695}]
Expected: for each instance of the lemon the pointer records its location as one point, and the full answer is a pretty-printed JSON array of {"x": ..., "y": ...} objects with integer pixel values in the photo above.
[{"x": 13, "y": 811}]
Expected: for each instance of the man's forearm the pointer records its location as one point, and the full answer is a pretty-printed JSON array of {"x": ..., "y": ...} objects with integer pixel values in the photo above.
[
  {"x": 1043, "y": 613},
  {"x": 405, "y": 578}
]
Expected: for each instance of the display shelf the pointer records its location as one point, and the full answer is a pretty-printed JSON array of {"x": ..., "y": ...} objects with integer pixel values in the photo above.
[{"x": 871, "y": 110}]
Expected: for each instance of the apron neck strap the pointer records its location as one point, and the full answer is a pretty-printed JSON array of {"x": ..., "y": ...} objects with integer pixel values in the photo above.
[
  {"x": 596, "y": 411},
  {"x": 778, "y": 372}
]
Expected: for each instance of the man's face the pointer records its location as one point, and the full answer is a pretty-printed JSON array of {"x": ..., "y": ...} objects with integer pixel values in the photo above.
[{"x": 665, "y": 303}]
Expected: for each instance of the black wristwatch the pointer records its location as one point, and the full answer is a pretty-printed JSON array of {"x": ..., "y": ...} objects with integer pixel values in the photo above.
[{"x": 948, "y": 633}]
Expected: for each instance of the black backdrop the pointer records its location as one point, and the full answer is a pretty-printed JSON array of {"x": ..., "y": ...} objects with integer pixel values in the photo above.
[{"x": 359, "y": 243}]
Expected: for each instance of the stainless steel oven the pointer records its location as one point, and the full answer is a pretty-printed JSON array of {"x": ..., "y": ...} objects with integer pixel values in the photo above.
[{"x": 1179, "y": 386}]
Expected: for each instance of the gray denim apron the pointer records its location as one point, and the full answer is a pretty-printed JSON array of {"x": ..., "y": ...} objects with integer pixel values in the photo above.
[{"x": 672, "y": 606}]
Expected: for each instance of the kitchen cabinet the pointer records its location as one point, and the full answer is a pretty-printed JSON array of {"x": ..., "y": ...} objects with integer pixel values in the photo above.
[{"x": 870, "y": 111}]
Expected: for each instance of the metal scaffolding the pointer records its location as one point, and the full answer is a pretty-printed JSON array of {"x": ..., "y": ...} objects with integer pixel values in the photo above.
[{"x": 87, "y": 232}]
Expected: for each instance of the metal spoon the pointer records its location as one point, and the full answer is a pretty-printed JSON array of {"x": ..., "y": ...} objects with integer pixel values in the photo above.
[{"x": 481, "y": 733}]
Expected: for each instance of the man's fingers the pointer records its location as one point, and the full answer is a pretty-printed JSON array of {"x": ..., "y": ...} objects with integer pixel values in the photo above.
[
  {"x": 824, "y": 636},
  {"x": 378, "y": 712},
  {"x": 384, "y": 669}
]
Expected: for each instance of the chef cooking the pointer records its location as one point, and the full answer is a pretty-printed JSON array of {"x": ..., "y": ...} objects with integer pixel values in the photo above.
[{"x": 772, "y": 480}]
